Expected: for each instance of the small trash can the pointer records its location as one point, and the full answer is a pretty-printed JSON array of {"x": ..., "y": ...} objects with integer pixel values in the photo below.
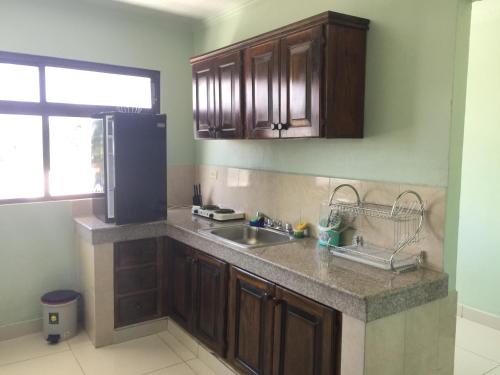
[{"x": 60, "y": 311}]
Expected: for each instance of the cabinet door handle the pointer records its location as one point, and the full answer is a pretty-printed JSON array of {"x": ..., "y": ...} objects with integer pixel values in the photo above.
[
  {"x": 276, "y": 301},
  {"x": 284, "y": 126},
  {"x": 138, "y": 306}
]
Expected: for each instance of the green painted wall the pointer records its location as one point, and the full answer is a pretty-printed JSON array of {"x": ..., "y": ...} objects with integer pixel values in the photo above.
[
  {"x": 456, "y": 139},
  {"x": 37, "y": 255},
  {"x": 479, "y": 254},
  {"x": 37, "y": 240},
  {"x": 409, "y": 88},
  {"x": 416, "y": 69}
]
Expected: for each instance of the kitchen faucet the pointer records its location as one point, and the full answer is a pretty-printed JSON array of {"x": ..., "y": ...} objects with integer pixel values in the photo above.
[{"x": 275, "y": 223}]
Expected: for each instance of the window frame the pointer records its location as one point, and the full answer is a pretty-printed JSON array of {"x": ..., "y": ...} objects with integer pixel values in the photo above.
[{"x": 46, "y": 109}]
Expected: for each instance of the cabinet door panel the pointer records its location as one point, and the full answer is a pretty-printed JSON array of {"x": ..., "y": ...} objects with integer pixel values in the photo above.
[
  {"x": 180, "y": 265},
  {"x": 203, "y": 100},
  {"x": 250, "y": 322},
  {"x": 135, "y": 252},
  {"x": 228, "y": 96},
  {"x": 301, "y": 71},
  {"x": 136, "y": 279},
  {"x": 305, "y": 336},
  {"x": 137, "y": 308},
  {"x": 210, "y": 302},
  {"x": 262, "y": 89}
]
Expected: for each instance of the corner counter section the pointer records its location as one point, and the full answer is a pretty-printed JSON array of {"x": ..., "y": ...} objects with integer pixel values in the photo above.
[{"x": 391, "y": 324}]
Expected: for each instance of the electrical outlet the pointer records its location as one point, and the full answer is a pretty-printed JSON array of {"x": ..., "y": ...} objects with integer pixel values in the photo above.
[{"x": 214, "y": 174}]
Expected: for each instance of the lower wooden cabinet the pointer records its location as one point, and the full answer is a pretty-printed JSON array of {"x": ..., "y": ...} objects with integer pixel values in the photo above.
[
  {"x": 197, "y": 294},
  {"x": 139, "y": 279},
  {"x": 250, "y": 322},
  {"x": 210, "y": 301},
  {"x": 306, "y": 336},
  {"x": 274, "y": 331},
  {"x": 262, "y": 328},
  {"x": 180, "y": 279}
]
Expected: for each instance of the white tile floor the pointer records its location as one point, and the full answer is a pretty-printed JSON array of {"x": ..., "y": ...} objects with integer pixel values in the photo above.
[
  {"x": 160, "y": 354},
  {"x": 477, "y": 353},
  {"x": 477, "y": 349}
]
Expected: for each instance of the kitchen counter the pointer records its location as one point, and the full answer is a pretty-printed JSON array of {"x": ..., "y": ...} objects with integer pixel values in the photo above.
[{"x": 362, "y": 292}]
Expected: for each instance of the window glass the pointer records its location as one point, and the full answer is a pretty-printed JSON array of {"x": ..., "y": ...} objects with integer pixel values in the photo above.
[
  {"x": 95, "y": 88},
  {"x": 19, "y": 83},
  {"x": 72, "y": 165},
  {"x": 21, "y": 157}
]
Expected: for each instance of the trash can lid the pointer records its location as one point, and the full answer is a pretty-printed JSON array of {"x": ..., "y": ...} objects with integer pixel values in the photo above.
[{"x": 60, "y": 296}]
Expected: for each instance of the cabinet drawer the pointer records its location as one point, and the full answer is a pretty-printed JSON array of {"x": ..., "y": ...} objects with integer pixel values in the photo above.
[
  {"x": 136, "y": 279},
  {"x": 134, "y": 253},
  {"x": 137, "y": 308}
]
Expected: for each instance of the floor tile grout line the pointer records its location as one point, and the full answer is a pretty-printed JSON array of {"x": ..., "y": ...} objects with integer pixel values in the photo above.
[
  {"x": 175, "y": 337},
  {"x": 197, "y": 356},
  {"x": 489, "y": 371},
  {"x": 162, "y": 368},
  {"x": 173, "y": 350},
  {"x": 76, "y": 359},
  {"x": 35, "y": 357},
  {"x": 478, "y": 354},
  {"x": 193, "y": 369}
]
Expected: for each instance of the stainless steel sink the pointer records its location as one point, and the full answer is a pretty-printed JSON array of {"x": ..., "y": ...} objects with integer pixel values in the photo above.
[{"x": 245, "y": 236}]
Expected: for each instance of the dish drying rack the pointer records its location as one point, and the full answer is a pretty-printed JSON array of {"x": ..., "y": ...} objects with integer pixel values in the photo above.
[{"x": 407, "y": 217}]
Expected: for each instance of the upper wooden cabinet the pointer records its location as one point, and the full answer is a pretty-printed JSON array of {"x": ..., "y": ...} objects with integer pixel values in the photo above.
[
  {"x": 306, "y": 79},
  {"x": 262, "y": 89},
  {"x": 217, "y": 97},
  {"x": 203, "y": 100},
  {"x": 300, "y": 76},
  {"x": 228, "y": 112}
]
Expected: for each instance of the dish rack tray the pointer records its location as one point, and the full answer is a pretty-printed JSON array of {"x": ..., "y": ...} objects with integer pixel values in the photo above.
[{"x": 407, "y": 215}]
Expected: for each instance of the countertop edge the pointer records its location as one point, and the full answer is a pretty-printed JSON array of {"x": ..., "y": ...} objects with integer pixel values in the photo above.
[{"x": 366, "y": 309}]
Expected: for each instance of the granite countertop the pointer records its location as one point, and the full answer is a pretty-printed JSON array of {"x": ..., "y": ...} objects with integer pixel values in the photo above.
[{"x": 361, "y": 291}]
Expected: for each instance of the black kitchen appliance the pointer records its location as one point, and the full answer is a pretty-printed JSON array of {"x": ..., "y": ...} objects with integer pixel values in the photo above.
[{"x": 129, "y": 157}]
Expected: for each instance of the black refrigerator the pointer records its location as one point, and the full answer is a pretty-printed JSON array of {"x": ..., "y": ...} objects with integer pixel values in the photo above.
[{"x": 129, "y": 159}]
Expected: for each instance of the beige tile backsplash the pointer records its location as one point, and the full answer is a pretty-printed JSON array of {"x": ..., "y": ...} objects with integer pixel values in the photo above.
[
  {"x": 291, "y": 198},
  {"x": 180, "y": 184}
]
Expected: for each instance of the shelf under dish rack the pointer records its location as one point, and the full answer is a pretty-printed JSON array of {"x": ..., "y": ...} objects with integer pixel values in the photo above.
[{"x": 377, "y": 257}]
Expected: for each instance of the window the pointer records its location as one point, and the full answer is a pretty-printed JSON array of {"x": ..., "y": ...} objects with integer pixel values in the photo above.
[{"x": 46, "y": 126}]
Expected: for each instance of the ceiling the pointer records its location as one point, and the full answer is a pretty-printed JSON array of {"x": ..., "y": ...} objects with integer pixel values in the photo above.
[{"x": 191, "y": 8}]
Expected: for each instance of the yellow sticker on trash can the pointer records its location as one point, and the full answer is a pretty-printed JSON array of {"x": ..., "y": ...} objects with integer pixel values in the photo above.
[{"x": 53, "y": 318}]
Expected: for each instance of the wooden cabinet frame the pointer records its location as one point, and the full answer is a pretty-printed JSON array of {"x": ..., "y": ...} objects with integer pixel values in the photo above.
[
  {"x": 217, "y": 102},
  {"x": 197, "y": 294},
  {"x": 134, "y": 302},
  {"x": 273, "y": 331},
  {"x": 304, "y": 80}
]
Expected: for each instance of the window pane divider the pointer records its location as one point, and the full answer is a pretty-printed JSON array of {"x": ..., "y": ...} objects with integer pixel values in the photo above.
[{"x": 47, "y": 109}]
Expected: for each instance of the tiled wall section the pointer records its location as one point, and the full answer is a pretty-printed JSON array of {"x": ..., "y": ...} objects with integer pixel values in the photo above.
[
  {"x": 291, "y": 197},
  {"x": 180, "y": 180},
  {"x": 418, "y": 341}
]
